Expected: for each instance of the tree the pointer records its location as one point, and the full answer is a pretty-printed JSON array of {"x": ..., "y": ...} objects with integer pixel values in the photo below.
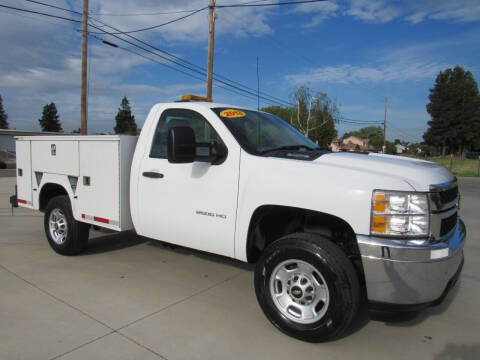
[
  {"x": 3, "y": 116},
  {"x": 315, "y": 115},
  {"x": 125, "y": 120},
  {"x": 49, "y": 120},
  {"x": 390, "y": 148},
  {"x": 454, "y": 108}
]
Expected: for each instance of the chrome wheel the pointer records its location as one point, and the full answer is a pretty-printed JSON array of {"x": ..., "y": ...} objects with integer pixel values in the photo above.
[
  {"x": 58, "y": 226},
  {"x": 299, "y": 291}
]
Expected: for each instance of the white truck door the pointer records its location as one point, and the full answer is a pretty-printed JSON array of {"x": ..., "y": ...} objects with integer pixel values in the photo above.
[{"x": 193, "y": 205}]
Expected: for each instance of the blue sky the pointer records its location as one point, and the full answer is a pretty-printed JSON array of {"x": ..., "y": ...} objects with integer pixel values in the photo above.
[{"x": 358, "y": 52}]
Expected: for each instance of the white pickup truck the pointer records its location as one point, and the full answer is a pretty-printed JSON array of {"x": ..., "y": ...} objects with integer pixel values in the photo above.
[{"x": 321, "y": 227}]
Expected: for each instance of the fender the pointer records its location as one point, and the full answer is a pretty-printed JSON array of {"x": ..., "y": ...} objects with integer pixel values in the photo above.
[{"x": 60, "y": 180}]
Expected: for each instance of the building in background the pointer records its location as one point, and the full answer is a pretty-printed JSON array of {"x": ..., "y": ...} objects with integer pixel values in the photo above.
[{"x": 351, "y": 143}]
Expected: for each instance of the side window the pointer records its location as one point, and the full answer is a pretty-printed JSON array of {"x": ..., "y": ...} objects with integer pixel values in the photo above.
[{"x": 204, "y": 132}]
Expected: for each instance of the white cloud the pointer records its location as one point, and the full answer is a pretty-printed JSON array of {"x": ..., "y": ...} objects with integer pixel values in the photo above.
[
  {"x": 379, "y": 11},
  {"x": 347, "y": 73},
  {"x": 321, "y": 11},
  {"x": 239, "y": 22},
  {"x": 413, "y": 11}
]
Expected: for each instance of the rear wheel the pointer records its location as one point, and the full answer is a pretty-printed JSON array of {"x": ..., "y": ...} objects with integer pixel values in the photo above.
[
  {"x": 65, "y": 235},
  {"x": 307, "y": 287}
]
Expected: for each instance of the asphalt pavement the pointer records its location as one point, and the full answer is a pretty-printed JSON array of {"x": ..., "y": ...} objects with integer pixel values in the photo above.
[{"x": 129, "y": 297}]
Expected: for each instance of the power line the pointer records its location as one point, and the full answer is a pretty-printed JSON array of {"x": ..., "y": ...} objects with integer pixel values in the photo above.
[
  {"x": 144, "y": 14},
  {"x": 190, "y": 64},
  {"x": 360, "y": 122},
  {"x": 157, "y": 13},
  {"x": 156, "y": 26},
  {"x": 252, "y": 94},
  {"x": 176, "y": 69},
  {"x": 54, "y": 6},
  {"x": 200, "y": 70},
  {"x": 40, "y": 13}
]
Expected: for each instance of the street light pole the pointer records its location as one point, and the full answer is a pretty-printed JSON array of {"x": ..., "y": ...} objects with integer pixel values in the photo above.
[{"x": 83, "y": 95}]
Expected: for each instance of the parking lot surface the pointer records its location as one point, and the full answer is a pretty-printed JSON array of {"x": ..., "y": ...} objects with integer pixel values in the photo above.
[{"x": 128, "y": 297}]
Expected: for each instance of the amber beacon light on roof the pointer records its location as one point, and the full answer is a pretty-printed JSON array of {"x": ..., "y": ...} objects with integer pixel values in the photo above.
[{"x": 195, "y": 98}]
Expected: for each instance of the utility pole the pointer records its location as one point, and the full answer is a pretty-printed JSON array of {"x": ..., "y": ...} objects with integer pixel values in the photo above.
[
  {"x": 258, "y": 88},
  {"x": 211, "y": 37},
  {"x": 83, "y": 96},
  {"x": 385, "y": 128}
]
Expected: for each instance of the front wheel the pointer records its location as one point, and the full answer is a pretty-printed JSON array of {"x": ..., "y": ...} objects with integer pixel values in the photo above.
[
  {"x": 307, "y": 287},
  {"x": 65, "y": 235}
]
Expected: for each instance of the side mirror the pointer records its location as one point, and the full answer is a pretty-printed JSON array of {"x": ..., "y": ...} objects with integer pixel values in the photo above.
[
  {"x": 218, "y": 152},
  {"x": 212, "y": 152},
  {"x": 181, "y": 145}
]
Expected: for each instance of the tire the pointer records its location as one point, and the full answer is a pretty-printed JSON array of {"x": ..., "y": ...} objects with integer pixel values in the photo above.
[
  {"x": 318, "y": 294},
  {"x": 65, "y": 235}
]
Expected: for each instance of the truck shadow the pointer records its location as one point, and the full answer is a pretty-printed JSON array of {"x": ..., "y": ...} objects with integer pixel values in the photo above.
[
  {"x": 102, "y": 241},
  {"x": 180, "y": 250}
]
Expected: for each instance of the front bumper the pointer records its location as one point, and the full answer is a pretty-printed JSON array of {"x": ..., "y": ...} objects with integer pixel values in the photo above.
[{"x": 400, "y": 274}]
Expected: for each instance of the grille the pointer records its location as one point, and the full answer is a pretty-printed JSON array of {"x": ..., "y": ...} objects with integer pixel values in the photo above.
[
  {"x": 449, "y": 195},
  {"x": 448, "y": 224}
]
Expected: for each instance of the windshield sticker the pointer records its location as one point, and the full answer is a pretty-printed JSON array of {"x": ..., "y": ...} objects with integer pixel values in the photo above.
[{"x": 230, "y": 113}]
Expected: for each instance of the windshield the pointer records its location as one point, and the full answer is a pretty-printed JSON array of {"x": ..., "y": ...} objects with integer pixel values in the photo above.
[{"x": 259, "y": 132}]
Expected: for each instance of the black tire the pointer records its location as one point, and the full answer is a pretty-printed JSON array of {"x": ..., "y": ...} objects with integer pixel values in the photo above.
[
  {"x": 334, "y": 267},
  {"x": 76, "y": 238}
]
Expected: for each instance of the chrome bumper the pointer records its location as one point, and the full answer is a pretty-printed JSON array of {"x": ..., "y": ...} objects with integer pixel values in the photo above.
[{"x": 401, "y": 274}]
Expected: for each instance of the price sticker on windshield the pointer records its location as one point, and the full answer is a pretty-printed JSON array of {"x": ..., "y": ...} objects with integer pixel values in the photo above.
[{"x": 231, "y": 113}]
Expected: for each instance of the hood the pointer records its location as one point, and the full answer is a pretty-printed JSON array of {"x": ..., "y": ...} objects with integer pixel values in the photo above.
[{"x": 419, "y": 174}]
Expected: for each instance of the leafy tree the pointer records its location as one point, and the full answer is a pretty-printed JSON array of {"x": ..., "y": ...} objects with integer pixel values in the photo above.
[
  {"x": 315, "y": 115},
  {"x": 76, "y": 131},
  {"x": 3, "y": 116},
  {"x": 454, "y": 108},
  {"x": 49, "y": 120},
  {"x": 125, "y": 120},
  {"x": 390, "y": 148}
]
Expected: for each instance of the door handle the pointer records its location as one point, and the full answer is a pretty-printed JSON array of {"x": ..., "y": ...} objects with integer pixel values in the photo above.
[{"x": 153, "y": 175}]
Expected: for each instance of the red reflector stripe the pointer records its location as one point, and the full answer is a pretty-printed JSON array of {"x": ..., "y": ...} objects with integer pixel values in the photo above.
[
  {"x": 102, "y": 220},
  {"x": 22, "y": 201}
]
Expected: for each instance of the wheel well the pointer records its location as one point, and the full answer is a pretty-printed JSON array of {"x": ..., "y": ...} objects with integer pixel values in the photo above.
[
  {"x": 270, "y": 222},
  {"x": 48, "y": 192}
]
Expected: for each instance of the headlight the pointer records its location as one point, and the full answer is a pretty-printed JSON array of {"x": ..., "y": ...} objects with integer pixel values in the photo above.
[{"x": 399, "y": 213}]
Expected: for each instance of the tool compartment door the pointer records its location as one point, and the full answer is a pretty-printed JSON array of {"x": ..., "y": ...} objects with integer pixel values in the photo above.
[
  {"x": 55, "y": 156},
  {"x": 98, "y": 189}
]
